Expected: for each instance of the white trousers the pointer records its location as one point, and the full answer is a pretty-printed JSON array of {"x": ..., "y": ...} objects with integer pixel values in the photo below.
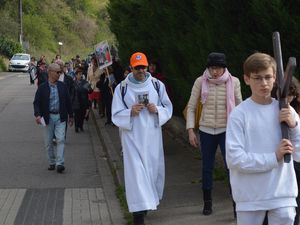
[{"x": 279, "y": 216}]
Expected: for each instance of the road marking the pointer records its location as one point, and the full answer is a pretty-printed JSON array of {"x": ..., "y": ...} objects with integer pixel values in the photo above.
[
  {"x": 73, "y": 206},
  {"x": 85, "y": 204},
  {"x": 41, "y": 206},
  {"x": 10, "y": 202},
  {"x": 23, "y": 75}
]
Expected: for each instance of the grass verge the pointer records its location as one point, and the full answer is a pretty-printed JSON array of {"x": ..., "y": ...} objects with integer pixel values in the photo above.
[{"x": 120, "y": 192}]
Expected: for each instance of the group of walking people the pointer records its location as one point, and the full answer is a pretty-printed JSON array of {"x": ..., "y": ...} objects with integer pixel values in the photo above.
[
  {"x": 65, "y": 94},
  {"x": 61, "y": 99},
  {"x": 263, "y": 187},
  {"x": 247, "y": 132}
]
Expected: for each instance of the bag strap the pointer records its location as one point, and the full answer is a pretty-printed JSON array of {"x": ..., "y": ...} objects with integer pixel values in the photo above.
[
  {"x": 123, "y": 89},
  {"x": 156, "y": 85}
]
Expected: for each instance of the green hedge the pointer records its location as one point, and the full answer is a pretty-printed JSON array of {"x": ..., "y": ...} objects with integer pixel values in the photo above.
[
  {"x": 9, "y": 47},
  {"x": 2, "y": 65},
  {"x": 180, "y": 34}
]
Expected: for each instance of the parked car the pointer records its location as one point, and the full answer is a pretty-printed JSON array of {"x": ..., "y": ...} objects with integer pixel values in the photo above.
[{"x": 19, "y": 62}]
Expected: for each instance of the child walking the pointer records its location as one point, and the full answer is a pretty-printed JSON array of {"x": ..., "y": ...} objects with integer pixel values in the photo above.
[{"x": 259, "y": 178}]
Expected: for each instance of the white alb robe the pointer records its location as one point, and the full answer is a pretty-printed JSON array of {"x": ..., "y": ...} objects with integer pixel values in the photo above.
[{"x": 141, "y": 138}]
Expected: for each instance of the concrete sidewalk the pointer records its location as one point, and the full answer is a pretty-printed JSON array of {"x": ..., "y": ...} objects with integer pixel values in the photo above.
[{"x": 182, "y": 201}]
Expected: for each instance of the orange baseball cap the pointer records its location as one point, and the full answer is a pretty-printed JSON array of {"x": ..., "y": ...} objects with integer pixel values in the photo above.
[{"x": 138, "y": 59}]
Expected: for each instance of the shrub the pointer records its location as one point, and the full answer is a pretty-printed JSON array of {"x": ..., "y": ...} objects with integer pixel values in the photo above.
[
  {"x": 2, "y": 65},
  {"x": 9, "y": 47},
  {"x": 181, "y": 35}
]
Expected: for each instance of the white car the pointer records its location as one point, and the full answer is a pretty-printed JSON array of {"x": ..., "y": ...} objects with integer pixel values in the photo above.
[{"x": 19, "y": 62}]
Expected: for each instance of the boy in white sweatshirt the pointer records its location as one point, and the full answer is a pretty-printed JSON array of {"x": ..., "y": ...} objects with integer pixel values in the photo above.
[{"x": 259, "y": 178}]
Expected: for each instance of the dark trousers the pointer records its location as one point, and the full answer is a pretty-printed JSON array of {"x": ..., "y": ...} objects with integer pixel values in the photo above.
[
  {"x": 79, "y": 117},
  {"x": 101, "y": 107},
  {"x": 107, "y": 102},
  {"x": 31, "y": 80},
  {"x": 209, "y": 144}
]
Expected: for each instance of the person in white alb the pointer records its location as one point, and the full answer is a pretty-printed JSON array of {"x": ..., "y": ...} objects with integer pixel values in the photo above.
[
  {"x": 140, "y": 107},
  {"x": 260, "y": 180}
]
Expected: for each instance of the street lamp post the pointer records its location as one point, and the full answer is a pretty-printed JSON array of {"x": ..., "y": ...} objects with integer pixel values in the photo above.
[
  {"x": 60, "y": 46},
  {"x": 21, "y": 22}
]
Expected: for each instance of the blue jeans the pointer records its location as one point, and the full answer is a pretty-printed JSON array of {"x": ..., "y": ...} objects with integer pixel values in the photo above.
[
  {"x": 58, "y": 128},
  {"x": 209, "y": 144}
]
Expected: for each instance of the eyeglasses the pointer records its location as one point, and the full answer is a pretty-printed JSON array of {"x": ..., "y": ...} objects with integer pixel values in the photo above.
[
  {"x": 139, "y": 67},
  {"x": 260, "y": 79}
]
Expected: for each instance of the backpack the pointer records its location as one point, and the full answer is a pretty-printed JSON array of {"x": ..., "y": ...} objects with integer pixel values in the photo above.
[{"x": 123, "y": 89}]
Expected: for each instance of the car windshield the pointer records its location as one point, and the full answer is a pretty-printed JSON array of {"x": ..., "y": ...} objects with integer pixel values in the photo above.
[{"x": 20, "y": 57}]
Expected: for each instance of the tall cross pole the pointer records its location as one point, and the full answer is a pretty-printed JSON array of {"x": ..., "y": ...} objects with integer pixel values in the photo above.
[{"x": 283, "y": 83}]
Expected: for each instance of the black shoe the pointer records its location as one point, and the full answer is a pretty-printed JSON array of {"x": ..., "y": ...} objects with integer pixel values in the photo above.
[
  {"x": 76, "y": 130},
  {"x": 81, "y": 129},
  {"x": 51, "y": 167},
  {"x": 207, "y": 209},
  {"x": 60, "y": 168},
  {"x": 108, "y": 123},
  {"x": 138, "y": 218}
]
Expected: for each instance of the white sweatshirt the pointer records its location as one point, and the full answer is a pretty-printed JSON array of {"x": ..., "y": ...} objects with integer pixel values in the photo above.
[{"x": 257, "y": 180}]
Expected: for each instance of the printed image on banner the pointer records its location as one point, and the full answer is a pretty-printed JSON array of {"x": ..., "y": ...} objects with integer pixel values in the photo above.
[{"x": 103, "y": 55}]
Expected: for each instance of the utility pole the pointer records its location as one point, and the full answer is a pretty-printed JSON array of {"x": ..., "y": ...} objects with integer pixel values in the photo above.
[
  {"x": 60, "y": 46},
  {"x": 21, "y": 22}
]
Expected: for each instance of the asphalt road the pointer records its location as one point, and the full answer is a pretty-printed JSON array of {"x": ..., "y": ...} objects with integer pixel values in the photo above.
[{"x": 23, "y": 158}]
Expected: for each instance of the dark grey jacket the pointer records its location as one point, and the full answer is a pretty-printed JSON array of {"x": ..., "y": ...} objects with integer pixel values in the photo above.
[{"x": 42, "y": 98}]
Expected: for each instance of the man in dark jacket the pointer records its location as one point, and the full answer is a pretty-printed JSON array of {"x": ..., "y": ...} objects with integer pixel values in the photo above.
[{"x": 53, "y": 109}]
